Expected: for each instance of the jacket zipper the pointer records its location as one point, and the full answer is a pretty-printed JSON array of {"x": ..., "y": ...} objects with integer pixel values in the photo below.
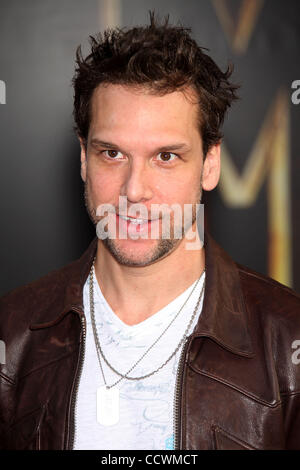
[
  {"x": 177, "y": 396},
  {"x": 77, "y": 379}
]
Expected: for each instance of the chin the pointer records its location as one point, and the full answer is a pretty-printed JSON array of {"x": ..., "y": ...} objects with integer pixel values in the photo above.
[{"x": 139, "y": 255}]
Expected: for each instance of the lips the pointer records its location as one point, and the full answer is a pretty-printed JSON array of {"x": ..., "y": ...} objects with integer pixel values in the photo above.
[
  {"x": 135, "y": 220},
  {"x": 135, "y": 227}
]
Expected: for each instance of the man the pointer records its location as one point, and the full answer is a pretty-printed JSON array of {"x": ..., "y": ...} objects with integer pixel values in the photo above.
[{"x": 145, "y": 342}]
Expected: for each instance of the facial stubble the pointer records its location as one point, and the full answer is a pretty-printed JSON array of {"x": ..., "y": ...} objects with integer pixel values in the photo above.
[{"x": 163, "y": 248}]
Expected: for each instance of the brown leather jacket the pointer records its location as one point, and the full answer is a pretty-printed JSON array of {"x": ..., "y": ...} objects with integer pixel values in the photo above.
[{"x": 238, "y": 384}]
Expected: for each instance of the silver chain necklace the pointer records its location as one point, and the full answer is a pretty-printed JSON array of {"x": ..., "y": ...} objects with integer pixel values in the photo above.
[{"x": 108, "y": 399}]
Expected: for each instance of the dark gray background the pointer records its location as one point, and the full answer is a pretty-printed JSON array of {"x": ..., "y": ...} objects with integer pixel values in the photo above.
[{"x": 44, "y": 224}]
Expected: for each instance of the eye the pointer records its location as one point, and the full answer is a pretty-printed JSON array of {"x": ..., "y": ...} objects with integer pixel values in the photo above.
[
  {"x": 167, "y": 156},
  {"x": 112, "y": 154}
]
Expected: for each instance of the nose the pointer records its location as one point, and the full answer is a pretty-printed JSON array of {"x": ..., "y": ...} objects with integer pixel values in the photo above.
[{"x": 137, "y": 183}]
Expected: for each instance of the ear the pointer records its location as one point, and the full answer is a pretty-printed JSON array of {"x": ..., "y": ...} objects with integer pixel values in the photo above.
[
  {"x": 83, "y": 158},
  {"x": 212, "y": 168}
]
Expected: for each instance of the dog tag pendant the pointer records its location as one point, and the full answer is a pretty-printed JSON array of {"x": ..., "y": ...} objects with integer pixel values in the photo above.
[{"x": 108, "y": 405}]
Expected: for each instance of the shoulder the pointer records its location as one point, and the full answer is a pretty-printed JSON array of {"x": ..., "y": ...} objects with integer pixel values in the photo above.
[
  {"x": 51, "y": 292},
  {"x": 267, "y": 293},
  {"x": 274, "y": 321},
  {"x": 39, "y": 294}
]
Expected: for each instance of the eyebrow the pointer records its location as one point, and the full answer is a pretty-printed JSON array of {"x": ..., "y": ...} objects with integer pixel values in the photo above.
[{"x": 176, "y": 146}]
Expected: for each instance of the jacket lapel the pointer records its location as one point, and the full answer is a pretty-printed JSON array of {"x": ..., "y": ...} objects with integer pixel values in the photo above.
[{"x": 224, "y": 314}]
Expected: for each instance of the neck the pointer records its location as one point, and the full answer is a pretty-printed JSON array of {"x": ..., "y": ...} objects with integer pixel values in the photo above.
[{"x": 136, "y": 293}]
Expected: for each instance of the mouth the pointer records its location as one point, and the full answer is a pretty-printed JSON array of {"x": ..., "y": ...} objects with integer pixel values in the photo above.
[
  {"x": 136, "y": 220},
  {"x": 131, "y": 227}
]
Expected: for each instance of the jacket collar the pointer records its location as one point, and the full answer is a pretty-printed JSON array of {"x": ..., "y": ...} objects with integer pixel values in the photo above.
[{"x": 223, "y": 318}]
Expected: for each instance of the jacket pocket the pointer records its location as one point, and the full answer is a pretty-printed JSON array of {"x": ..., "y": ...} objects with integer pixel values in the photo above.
[
  {"x": 225, "y": 441},
  {"x": 24, "y": 434}
]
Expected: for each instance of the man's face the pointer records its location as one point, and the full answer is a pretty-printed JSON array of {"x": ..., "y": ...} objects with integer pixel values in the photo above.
[{"x": 148, "y": 149}]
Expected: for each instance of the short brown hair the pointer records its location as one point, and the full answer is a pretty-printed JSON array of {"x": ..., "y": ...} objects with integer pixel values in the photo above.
[{"x": 162, "y": 57}]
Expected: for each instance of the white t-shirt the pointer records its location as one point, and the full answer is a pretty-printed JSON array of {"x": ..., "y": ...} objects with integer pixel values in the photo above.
[{"x": 146, "y": 406}]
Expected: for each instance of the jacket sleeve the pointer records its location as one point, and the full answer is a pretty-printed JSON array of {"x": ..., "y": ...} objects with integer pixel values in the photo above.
[
  {"x": 291, "y": 397},
  {"x": 288, "y": 368},
  {"x": 291, "y": 408}
]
